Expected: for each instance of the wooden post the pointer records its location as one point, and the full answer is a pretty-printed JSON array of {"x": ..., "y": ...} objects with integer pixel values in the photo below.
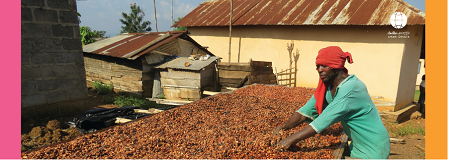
[
  {"x": 172, "y": 15},
  {"x": 290, "y": 47},
  {"x": 239, "y": 51},
  {"x": 231, "y": 22},
  {"x": 156, "y": 21},
  {"x": 216, "y": 76}
]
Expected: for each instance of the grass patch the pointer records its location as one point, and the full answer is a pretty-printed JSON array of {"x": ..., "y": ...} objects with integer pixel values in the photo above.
[
  {"x": 103, "y": 89},
  {"x": 416, "y": 95},
  {"x": 123, "y": 100},
  {"x": 397, "y": 130}
]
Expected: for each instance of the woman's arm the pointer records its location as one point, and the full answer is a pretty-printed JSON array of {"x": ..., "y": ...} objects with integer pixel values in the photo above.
[
  {"x": 292, "y": 122},
  {"x": 307, "y": 132}
]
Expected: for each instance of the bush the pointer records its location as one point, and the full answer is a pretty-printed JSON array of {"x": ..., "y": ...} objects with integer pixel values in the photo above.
[
  {"x": 103, "y": 89},
  {"x": 122, "y": 100}
]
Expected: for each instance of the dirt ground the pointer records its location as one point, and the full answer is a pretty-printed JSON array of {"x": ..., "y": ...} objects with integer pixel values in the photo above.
[
  {"x": 413, "y": 145},
  {"x": 37, "y": 133}
]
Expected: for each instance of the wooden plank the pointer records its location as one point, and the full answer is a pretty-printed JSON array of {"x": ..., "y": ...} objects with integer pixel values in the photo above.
[
  {"x": 169, "y": 102},
  {"x": 282, "y": 71},
  {"x": 286, "y": 79},
  {"x": 266, "y": 82},
  {"x": 280, "y": 74},
  {"x": 234, "y": 64},
  {"x": 180, "y": 74},
  {"x": 210, "y": 93},
  {"x": 234, "y": 67},
  {"x": 206, "y": 81},
  {"x": 261, "y": 78},
  {"x": 419, "y": 147},
  {"x": 242, "y": 82},
  {"x": 207, "y": 75},
  {"x": 148, "y": 77},
  {"x": 232, "y": 74},
  {"x": 231, "y": 88},
  {"x": 264, "y": 76},
  {"x": 258, "y": 72},
  {"x": 262, "y": 69},
  {"x": 339, "y": 152},
  {"x": 173, "y": 93},
  {"x": 230, "y": 80},
  {"x": 149, "y": 111},
  {"x": 126, "y": 82},
  {"x": 260, "y": 64},
  {"x": 122, "y": 120},
  {"x": 185, "y": 82},
  {"x": 228, "y": 84},
  {"x": 396, "y": 140},
  {"x": 208, "y": 71}
]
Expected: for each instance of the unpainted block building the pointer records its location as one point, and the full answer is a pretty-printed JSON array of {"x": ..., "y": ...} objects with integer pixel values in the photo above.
[{"x": 51, "y": 54}]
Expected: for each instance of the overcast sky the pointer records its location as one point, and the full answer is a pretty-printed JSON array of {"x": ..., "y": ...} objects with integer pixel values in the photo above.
[{"x": 105, "y": 14}]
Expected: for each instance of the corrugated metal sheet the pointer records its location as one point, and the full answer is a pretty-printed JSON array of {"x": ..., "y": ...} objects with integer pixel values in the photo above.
[
  {"x": 133, "y": 45},
  {"x": 300, "y": 12},
  {"x": 179, "y": 62}
]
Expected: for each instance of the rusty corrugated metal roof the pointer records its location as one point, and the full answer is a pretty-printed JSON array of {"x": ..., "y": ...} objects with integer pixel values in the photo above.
[
  {"x": 300, "y": 12},
  {"x": 179, "y": 63},
  {"x": 133, "y": 45}
]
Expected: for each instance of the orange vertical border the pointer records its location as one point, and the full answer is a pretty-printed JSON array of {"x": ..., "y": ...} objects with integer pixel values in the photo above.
[{"x": 436, "y": 70}]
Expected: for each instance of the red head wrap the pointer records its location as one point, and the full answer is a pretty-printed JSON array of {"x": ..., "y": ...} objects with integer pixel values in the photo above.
[{"x": 334, "y": 58}]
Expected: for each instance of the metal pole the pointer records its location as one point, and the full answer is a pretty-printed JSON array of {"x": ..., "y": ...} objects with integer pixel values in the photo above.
[
  {"x": 156, "y": 21},
  {"x": 172, "y": 15},
  {"x": 231, "y": 22}
]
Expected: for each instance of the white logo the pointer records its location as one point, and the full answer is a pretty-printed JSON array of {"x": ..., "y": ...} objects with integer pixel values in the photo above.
[{"x": 398, "y": 20}]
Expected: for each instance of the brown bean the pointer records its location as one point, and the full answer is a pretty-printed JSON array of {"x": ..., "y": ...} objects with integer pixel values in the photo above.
[{"x": 237, "y": 125}]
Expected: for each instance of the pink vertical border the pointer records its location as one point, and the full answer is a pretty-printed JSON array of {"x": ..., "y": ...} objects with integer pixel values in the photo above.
[{"x": 10, "y": 84}]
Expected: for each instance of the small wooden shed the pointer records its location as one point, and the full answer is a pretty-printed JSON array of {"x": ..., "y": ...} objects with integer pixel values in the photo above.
[
  {"x": 186, "y": 79},
  {"x": 128, "y": 60}
]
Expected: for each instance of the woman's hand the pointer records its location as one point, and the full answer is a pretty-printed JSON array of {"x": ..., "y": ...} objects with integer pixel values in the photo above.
[
  {"x": 285, "y": 143},
  {"x": 277, "y": 130}
]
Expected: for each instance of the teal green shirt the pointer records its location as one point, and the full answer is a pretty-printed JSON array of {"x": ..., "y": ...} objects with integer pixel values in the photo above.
[{"x": 359, "y": 117}]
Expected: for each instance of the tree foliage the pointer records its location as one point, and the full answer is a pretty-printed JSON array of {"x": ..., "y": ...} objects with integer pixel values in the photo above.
[
  {"x": 134, "y": 21},
  {"x": 87, "y": 35},
  {"x": 181, "y": 28}
]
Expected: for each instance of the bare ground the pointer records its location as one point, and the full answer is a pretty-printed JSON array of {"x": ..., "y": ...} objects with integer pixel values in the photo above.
[{"x": 413, "y": 145}]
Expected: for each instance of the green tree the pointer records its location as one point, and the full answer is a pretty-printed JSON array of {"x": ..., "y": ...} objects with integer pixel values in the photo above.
[
  {"x": 181, "y": 28},
  {"x": 99, "y": 34},
  {"x": 78, "y": 16},
  {"x": 87, "y": 35},
  {"x": 133, "y": 21}
]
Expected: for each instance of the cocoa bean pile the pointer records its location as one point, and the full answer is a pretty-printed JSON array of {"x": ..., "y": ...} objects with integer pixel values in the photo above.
[{"x": 238, "y": 125}]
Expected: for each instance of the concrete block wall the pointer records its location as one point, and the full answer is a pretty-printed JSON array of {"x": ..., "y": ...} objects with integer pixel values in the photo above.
[{"x": 52, "y": 58}]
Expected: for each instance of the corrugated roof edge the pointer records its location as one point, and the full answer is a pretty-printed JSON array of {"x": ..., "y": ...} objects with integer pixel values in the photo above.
[
  {"x": 184, "y": 36},
  {"x": 173, "y": 34},
  {"x": 190, "y": 19}
]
